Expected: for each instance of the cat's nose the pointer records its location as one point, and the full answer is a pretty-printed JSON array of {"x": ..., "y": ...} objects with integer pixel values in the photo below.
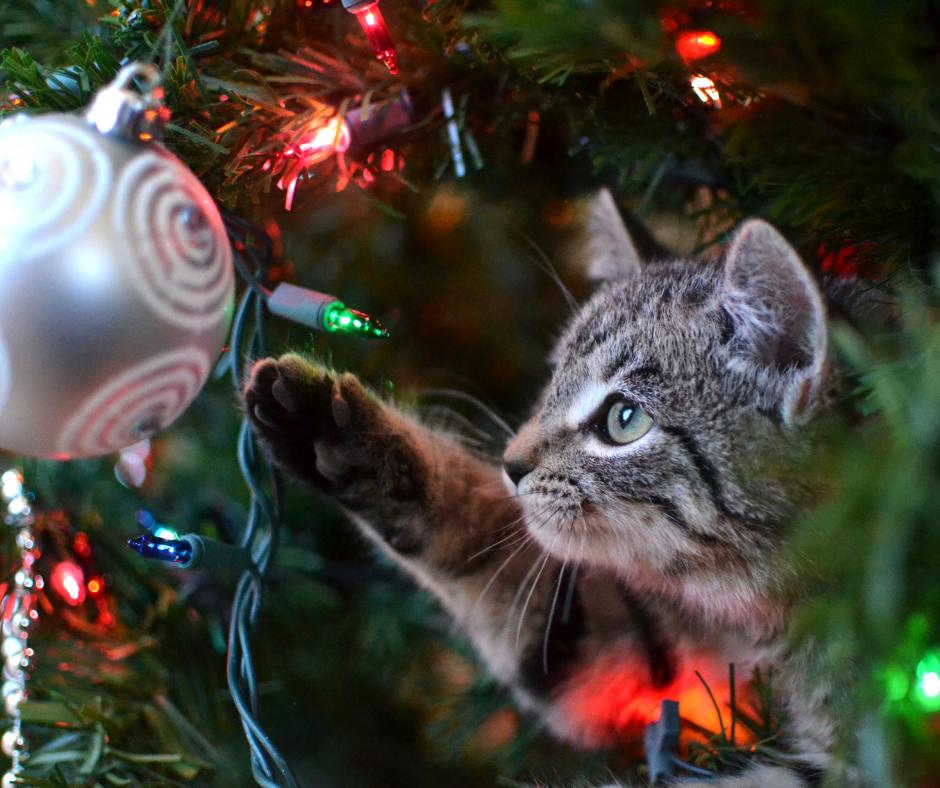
[{"x": 516, "y": 469}]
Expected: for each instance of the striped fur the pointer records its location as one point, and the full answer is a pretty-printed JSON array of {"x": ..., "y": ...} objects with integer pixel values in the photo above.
[{"x": 596, "y": 579}]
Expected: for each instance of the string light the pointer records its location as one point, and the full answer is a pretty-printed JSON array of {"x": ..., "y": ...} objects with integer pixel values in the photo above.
[
  {"x": 705, "y": 89},
  {"x": 68, "y": 580},
  {"x": 192, "y": 551},
  {"x": 174, "y": 551},
  {"x": 928, "y": 681},
  {"x": 160, "y": 531},
  {"x": 696, "y": 44},
  {"x": 322, "y": 312},
  {"x": 334, "y": 136},
  {"x": 373, "y": 25},
  {"x": 96, "y": 589},
  {"x": 317, "y": 143}
]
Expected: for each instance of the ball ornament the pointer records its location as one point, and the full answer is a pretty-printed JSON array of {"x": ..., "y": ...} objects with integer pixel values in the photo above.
[{"x": 116, "y": 276}]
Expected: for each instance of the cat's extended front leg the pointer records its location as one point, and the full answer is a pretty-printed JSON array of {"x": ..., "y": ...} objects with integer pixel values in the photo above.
[
  {"x": 441, "y": 513},
  {"x": 592, "y": 659}
]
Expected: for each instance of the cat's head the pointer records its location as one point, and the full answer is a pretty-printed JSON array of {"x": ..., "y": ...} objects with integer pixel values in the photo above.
[{"x": 664, "y": 445}]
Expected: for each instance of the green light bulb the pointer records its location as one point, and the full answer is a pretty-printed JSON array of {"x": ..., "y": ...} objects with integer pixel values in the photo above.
[
  {"x": 349, "y": 321},
  {"x": 928, "y": 681},
  {"x": 896, "y": 683}
]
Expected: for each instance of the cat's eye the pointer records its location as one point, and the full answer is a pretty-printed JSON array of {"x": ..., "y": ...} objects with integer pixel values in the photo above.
[{"x": 624, "y": 422}]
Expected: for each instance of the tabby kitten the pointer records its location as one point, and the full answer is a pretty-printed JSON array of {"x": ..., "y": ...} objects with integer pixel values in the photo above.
[{"x": 647, "y": 496}]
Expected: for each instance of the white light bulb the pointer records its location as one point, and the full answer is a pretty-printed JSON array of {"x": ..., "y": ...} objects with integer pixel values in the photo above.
[{"x": 931, "y": 684}]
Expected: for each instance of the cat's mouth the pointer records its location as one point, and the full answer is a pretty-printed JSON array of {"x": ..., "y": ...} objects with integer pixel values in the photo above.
[
  {"x": 556, "y": 515},
  {"x": 575, "y": 528}
]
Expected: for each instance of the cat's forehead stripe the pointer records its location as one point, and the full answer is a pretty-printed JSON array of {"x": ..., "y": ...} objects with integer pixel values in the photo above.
[{"x": 586, "y": 402}]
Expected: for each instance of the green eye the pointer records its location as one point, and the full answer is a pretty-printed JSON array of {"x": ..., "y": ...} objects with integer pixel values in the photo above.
[{"x": 625, "y": 422}]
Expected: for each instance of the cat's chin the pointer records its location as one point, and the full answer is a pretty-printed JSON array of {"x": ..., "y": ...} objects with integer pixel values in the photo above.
[
  {"x": 650, "y": 556},
  {"x": 581, "y": 533}
]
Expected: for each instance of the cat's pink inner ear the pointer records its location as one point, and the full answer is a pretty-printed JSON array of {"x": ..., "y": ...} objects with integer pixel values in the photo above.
[
  {"x": 774, "y": 301},
  {"x": 611, "y": 252}
]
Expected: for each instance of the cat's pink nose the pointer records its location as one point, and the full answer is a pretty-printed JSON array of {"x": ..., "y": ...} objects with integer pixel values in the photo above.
[{"x": 517, "y": 469}]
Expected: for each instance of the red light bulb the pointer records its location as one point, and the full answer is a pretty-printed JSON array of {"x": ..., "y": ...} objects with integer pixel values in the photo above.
[
  {"x": 68, "y": 580},
  {"x": 379, "y": 38},
  {"x": 334, "y": 136},
  {"x": 696, "y": 44}
]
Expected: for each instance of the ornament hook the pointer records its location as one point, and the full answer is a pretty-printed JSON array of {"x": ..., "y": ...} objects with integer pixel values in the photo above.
[{"x": 120, "y": 111}]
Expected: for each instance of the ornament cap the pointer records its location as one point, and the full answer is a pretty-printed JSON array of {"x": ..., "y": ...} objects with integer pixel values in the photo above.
[{"x": 119, "y": 111}]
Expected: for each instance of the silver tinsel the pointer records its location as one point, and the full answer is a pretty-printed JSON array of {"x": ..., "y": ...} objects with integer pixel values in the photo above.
[{"x": 17, "y": 613}]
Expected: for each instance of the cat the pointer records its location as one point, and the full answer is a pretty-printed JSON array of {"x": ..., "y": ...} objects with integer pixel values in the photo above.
[{"x": 630, "y": 540}]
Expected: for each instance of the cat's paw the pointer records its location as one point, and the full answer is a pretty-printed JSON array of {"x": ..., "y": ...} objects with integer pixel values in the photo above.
[{"x": 321, "y": 426}]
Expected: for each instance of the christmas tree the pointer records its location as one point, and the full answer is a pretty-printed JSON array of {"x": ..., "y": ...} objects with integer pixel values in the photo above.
[{"x": 440, "y": 182}]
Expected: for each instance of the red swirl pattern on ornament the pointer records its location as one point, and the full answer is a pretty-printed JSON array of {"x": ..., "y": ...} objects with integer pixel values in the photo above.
[
  {"x": 136, "y": 404},
  {"x": 54, "y": 178},
  {"x": 178, "y": 252}
]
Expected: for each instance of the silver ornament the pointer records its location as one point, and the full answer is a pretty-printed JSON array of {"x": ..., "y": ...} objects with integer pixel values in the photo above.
[
  {"x": 116, "y": 277},
  {"x": 8, "y": 780},
  {"x": 12, "y": 648}
]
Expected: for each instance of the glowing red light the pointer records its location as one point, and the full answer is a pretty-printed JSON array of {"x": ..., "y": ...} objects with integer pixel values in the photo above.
[
  {"x": 612, "y": 699},
  {"x": 333, "y": 136},
  {"x": 94, "y": 585},
  {"x": 696, "y": 44},
  {"x": 68, "y": 580},
  {"x": 104, "y": 615},
  {"x": 81, "y": 546},
  {"x": 373, "y": 25}
]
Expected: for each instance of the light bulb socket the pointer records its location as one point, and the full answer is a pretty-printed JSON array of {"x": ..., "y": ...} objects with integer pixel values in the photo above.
[
  {"x": 383, "y": 121},
  {"x": 358, "y": 6},
  {"x": 211, "y": 554},
  {"x": 304, "y": 306}
]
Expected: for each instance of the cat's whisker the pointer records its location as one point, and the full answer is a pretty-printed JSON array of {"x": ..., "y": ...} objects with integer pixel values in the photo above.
[
  {"x": 525, "y": 545},
  {"x": 513, "y": 526},
  {"x": 546, "y": 265},
  {"x": 514, "y": 535},
  {"x": 551, "y": 612},
  {"x": 535, "y": 583},
  {"x": 522, "y": 586},
  {"x": 444, "y": 419},
  {"x": 569, "y": 597},
  {"x": 484, "y": 409}
]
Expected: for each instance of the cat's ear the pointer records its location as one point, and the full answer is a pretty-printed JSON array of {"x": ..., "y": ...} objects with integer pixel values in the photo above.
[
  {"x": 778, "y": 312},
  {"x": 611, "y": 252}
]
